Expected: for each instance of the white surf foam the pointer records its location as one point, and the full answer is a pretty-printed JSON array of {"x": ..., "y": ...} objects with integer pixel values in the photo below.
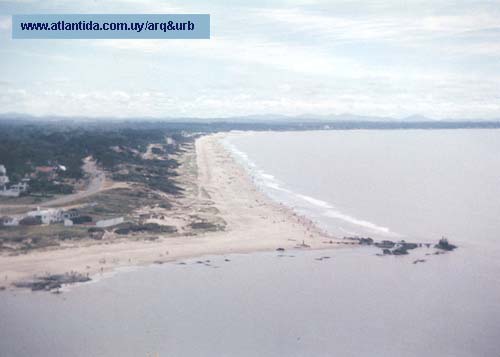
[
  {"x": 358, "y": 222},
  {"x": 314, "y": 201},
  {"x": 305, "y": 203}
]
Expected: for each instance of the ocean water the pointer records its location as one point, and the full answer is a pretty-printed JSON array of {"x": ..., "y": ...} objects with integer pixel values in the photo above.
[{"x": 413, "y": 185}]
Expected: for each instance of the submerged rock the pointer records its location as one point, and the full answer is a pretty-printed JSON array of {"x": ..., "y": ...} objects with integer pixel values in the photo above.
[
  {"x": 360, "y": 240},
  {"x": 400, "y": 251},
  {"x": 385, "y": 244},
  {"x": 51, "y": 282},
  {"x": 402, "y": 247},
  {"x": 408, "y": 246}
]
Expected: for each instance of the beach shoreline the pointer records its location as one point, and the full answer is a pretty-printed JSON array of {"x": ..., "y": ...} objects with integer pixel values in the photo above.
[{"x": 253, "y": 223}]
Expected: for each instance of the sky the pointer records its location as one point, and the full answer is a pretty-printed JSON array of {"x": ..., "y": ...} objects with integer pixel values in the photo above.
[{"x": 440, "y": 59}]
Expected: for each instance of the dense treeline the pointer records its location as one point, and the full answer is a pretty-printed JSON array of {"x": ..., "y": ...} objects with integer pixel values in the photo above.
[{"x": 26, "y": 146}]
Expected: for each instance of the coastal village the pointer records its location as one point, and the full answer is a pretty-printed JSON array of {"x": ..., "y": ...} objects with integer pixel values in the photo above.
[
  {"x": 44, "y": 216},
  {"x": 56, "y": 216}
]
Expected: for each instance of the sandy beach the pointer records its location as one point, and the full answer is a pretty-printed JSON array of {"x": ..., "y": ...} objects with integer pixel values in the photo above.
[{"x": 222, "y": 187}]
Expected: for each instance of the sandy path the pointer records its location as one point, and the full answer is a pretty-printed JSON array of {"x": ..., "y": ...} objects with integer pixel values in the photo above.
[
  {"x": 97, "y": 179},
  {"x": 254, "y": 223},
  {"x": 97, "y": 183}
]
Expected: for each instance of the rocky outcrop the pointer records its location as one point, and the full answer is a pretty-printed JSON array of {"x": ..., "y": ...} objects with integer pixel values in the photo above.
[
  {"x": 385, "y": 244},
  {"x": 445, "y": 245},
  {"x": 402, "y": 247}
]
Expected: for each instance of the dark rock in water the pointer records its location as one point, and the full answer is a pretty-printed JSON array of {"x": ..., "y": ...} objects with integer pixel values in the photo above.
[
  {"x": 419, "y": 261},
  {"x": 408, "y": 246},
  {"x": 385, "y": 244},
  {"x": 2, "y": 288},
  {"x": 158, "y": 262},
  {"x": 399, "y": 248},
  {"x": 361, "y": 240},
  {"x": 50, "y": 282},
  {"x": 400, "y": 251},
  {"x": 227, "y": 260},
  {"x": 280, "y": 249},
  {"x": 445, "y": 245}
]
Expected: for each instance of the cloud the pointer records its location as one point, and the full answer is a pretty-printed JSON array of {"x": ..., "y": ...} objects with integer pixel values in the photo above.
[
  {"x": 295, "y": 58},
  {"x": 444, "y": 99},
  {"x": 322, "y": 57},
  {"x": 404, "y": 29}
]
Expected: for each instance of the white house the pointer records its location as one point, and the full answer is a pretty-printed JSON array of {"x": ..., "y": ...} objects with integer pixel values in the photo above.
[
  {"x": 4, "y": 179},
  {"x": 109, "y": 222},
  {"x": 9, "y": 221},
  {"x": 48, "y": 216},
  {"x": 14, "y": 190}
]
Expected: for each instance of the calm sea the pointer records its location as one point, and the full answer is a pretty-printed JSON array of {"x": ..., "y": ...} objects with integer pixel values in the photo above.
[{"x": 413, "y": 185}]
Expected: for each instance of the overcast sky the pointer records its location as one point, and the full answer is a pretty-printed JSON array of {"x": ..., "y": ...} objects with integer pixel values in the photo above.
[{"x": 386, "y": 58}]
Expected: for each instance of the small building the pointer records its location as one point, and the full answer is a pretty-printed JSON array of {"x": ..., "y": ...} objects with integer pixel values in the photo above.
[
  {"x": 44, "y": 169},
  {"x": 4, "y": 179},
  {"x": 109, "y": 222},
  {"x": 50, "y": 172},
  {"x": 48, "y": 216},
  {"x": 13, "y": 190},
  {"x": 71, "y": 214},
  {"x": 8, "y": 221},
  {"x": 9, "y": 193}
]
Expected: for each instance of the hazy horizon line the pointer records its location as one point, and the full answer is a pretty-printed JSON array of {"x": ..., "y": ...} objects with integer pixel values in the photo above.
[{"x": 258, "y": 117}]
